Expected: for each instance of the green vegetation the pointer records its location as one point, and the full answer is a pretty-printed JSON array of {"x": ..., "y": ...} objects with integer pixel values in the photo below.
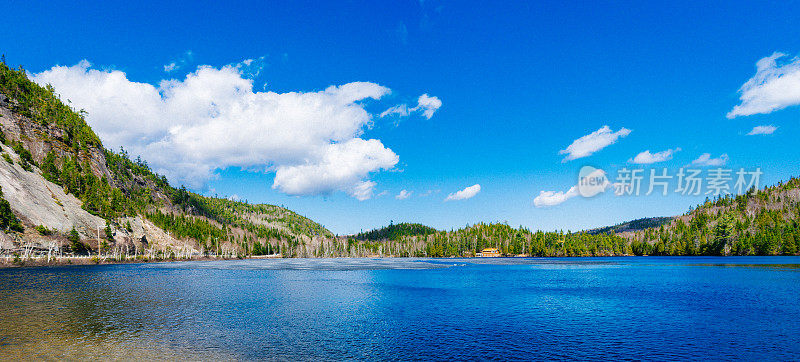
[
  {"x": 204, "y": 219},
  {"x": 633, "y": 225},
  {"x": 25, "y": 157},
  {"x": 109, "y": 233},
  {"x": 49, "y": 169},
  {"x": 8, "y": 221},
  {"x": 187, "y": 226},
  {"x": 70, "y": 134},
  {"x": 75, "y": 244},
  {"x": 510, "y": 241},
  {"x": 395, "y": 232},
  {"x": 43, "y": 230},
  {"x": 42, "y": 105},
  {"x": 8, "y": 158},
  {"x": 249, "y": 217},
  {"x": 759, "y": 222},
  {"x": 99, "y": 196}
]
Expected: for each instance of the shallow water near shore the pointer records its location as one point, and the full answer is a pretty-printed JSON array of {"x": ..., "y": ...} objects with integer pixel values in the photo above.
[{"x": 518, "y": 308}]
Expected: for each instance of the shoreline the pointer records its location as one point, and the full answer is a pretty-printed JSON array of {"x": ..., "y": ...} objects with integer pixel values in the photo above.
[
  {"x": 7, "y": 262},
  {"x": 40, "y": 262}
]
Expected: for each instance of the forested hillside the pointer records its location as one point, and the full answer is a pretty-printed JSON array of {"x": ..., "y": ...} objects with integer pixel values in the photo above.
[
  {"x": 63, "y": 192},
  {"x": 399, "y": 240},
  {"x": 759, "y": 222},
  {"x": 396, "y": 231},
  {"x": 633, "y": 225},
  {"x": 44, "y": 138}
]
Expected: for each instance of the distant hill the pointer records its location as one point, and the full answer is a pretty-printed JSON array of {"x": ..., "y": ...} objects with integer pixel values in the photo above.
[
  {"x": 762, "y": 221},
  {"x": 633, "y": 225},
  {"x": 396, "y": 231},
  {"x": 422, "y": 241}
]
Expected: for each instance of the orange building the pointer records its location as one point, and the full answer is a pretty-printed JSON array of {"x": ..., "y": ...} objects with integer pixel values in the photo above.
[{"x": 489, "y": 253}]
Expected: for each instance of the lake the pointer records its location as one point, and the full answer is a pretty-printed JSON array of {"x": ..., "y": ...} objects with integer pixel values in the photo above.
[{"x": 333, "y": 309}]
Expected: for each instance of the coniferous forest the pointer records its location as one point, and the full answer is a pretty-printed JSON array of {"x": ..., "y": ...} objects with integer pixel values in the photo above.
[{"x": 114, "y": 186}]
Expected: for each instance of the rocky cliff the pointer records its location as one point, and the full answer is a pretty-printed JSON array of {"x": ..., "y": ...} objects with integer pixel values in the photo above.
[{"x": 69, "y": 193}]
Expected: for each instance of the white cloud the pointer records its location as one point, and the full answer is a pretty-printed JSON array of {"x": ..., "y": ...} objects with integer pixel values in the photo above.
[
  {"x": 362, "y": 190},
  {"x": 213, "y": 119},
  {"x": 553, "y": 198},
  {"x": 426, "y": 105},
  {"x": 647, "y": 158},
  {"x": 762, "y": 130},
  {"x": 170, "y": 67},
  {"x": 776, "y": 85},
  {"x": 400, "y": 109},
  {"x": 339, "y": 166},
  {"x": 404, "y": 194},
  {"x": 591, "y": 181},
  {"x": 464, "y": 194},
  {"x": 180, "y": 62},
  {"x": 251, "y": 68},
  {"x": 706, "y": 160},
  {"x": 593, "y": 142}
]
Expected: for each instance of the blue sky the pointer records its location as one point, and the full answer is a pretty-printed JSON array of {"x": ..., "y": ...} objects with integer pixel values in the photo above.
[{"x": 518, "y": 82}]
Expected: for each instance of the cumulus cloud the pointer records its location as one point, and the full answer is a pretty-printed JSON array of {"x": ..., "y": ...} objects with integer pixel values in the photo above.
[
  {"x": 426, "y": 106},
  {"x": 339, "y": 166},
  {"x": 706, "y": 160},
  {"x": 762, "y": 130},
  {"x": 647, "y": 158},
  {"x": 464, "y": 194},
  {"x": 213, "y": 119},
  {"x": 553, "y": 198},
  {"x": 404, "y": 194},
  {"x": 593, "y": 142},
  {"x": 776, "y": 85}
]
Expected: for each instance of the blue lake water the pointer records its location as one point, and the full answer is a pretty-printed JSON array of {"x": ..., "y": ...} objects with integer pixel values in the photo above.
[{"x": 289, "y": 309}]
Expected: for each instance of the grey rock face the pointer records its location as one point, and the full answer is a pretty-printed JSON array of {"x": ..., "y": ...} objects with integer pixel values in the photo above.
[{"x": 41, "y": 202}]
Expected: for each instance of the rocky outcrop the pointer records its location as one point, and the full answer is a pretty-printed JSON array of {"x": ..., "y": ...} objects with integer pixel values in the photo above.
[
  {"x": 144, "y": 235},
  {"x": 41, "y": 139},
  {"x": 37, "y": 201}
]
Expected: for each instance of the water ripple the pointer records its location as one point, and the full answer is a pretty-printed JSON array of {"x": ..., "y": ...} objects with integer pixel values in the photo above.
[{"x": 439, "y": 309}]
